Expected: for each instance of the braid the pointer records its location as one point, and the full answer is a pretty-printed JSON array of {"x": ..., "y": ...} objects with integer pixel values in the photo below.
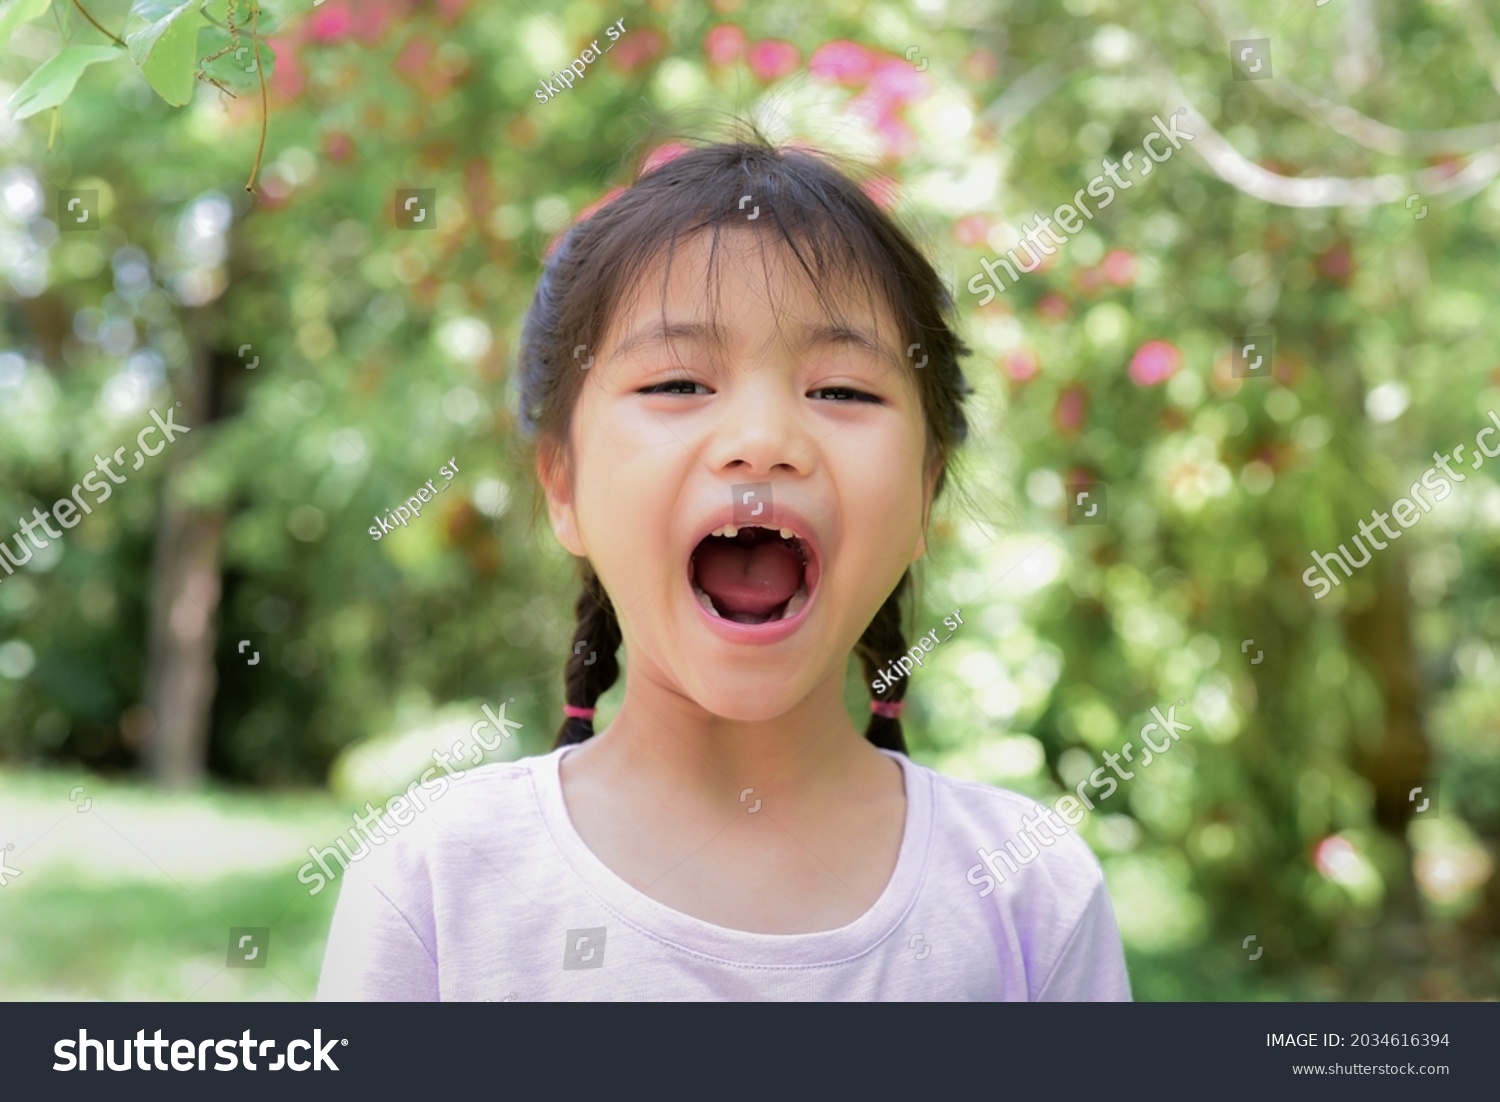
[
  {"x": 592, "y": 667},
  {"x": 884, "y": 637}
]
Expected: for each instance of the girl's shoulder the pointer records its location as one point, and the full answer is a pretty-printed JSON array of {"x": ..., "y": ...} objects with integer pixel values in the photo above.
[
  {"x": 995, "y": 828},
  {"x": 487, "y": 793},
  {"x": 458, "y": 817}
]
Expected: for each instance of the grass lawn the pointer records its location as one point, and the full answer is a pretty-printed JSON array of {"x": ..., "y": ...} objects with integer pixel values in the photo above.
[{"x": 134, "y": 897}]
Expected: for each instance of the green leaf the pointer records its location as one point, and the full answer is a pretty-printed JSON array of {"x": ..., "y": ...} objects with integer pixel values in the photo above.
[
  {"x": 20, "y": 11},
  {"x": 166, "y": 50},
  {"x": 54, "y": 80},
  {"x": 237, "y": 73},
  {"x": 152, "y": 10}
]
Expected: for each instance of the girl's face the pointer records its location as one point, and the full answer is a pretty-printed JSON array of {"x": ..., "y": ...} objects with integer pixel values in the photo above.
[{"x": 697, "y": 400}]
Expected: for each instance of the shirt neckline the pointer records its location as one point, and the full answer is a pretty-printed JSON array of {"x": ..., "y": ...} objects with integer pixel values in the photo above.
[{"x": 702, "y": 938}]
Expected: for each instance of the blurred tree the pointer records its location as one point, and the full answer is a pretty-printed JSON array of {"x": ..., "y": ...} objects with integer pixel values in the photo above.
[{"x": 331, "y": 353}]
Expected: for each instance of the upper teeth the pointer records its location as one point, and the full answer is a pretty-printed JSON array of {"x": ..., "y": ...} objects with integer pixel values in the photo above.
[{"x": 730, "y": 531}]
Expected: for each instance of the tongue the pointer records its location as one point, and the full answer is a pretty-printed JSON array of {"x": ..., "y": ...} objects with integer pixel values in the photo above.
[{"x": 747, "y": 580}]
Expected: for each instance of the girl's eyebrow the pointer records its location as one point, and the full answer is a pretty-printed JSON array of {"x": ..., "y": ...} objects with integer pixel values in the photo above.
[
  {"x": 812, "y": 336},
  {"x": 815, "y": 335},
  {"x": 667, "y": 332}
]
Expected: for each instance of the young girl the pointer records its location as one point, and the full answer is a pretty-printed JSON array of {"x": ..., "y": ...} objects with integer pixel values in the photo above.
[{"x": 744, "y": 390}]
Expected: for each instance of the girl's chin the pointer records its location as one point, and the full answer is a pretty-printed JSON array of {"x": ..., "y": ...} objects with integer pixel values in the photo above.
[{"x": 747, "y": 697}]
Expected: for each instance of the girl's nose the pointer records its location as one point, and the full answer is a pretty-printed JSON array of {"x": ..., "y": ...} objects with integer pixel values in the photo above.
[{"x": 761, "y": 427}]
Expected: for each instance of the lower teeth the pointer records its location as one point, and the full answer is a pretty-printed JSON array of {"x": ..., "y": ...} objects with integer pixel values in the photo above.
[{"x": 793, "y": 606}]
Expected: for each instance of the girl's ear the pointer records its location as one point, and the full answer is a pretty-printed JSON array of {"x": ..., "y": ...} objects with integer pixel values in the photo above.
[{"x": 557, "y": 483}]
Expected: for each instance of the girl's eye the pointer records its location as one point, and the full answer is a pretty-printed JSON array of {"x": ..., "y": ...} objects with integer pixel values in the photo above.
[
  {"x": 674, "y": 386},
  {"x": 689, "y": 388},
  {"x": 845, "y": 394}
]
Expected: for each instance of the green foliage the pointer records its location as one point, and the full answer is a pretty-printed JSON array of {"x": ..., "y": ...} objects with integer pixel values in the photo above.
[
  {"x": 173, "y": 45},
  {"x": 20, "y": 11},
  {"x": 164, "y": 49},
  {"x": 53, "y": 82},
  {"x": 230, "y": 60},
  {"x": 382, "y": 352}
]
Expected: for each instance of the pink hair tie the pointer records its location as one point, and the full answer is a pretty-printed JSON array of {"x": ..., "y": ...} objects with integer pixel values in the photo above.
[
  {"x": 578, "y": 713},
  {"x": 890, "y": 709}
]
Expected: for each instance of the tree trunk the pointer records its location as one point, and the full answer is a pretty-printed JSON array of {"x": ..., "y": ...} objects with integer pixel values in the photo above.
[
  {"x": 1381, "y": 634},
  {"x": 184, "y": 620},
  {"x": 185, "y": 587}
]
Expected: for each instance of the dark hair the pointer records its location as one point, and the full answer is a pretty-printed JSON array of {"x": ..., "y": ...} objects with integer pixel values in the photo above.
[{"x": 836, "y": 233}]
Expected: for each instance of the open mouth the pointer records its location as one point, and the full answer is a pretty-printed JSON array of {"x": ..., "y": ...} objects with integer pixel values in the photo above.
[{"x": 751, "y": 574}]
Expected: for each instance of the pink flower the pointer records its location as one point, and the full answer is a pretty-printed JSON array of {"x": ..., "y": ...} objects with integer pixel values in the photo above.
[
  {"x": 374, "y": 17},
  {"x": 971, "y": 230},
  {"x": 1337, "y": 263},
  {"x": 724, "y": 43},
  {"x": 771, "y": 59},
  {"x": 883, "y": 192},
  {"x": 289, "y": 78},
  {"x": 1119, "y": 267},
  {"x": 274, "y": 193},
  {"x": 661, "y": 155},
  {"x": 843, "y": 62},
  {"x": 1078, "y": 476},
  {"x": 879, "y": 113},
  {"x": 1053, "y": 307},
  {"x": 867, "y": 107},
  {"x": 366, "y": 20},
  {"x": 1088, "y": 280},
  {"x": 898, "y": 138},
  {"x": 1154, "y": 362},
  {"x": 338, "y": 146},
  {"x": 1071, "y": 409},
  {"x": 330, "y": 24},
  {"x": 898, "y": 82},
  {"x": 980, "y": 66},
  {"x": 637, "y": 49},
  {"x": 414, "y": 57},
  {"x": 1021, "y": 365}
]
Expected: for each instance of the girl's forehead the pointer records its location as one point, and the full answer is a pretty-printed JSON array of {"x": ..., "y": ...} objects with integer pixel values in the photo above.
[{"x": 711, "y": 279}]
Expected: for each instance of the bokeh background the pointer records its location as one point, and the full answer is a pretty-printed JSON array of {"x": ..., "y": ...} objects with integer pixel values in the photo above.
[{"x": 213, "y": 670}]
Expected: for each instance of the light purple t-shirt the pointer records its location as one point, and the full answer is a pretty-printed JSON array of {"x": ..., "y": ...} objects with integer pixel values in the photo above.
[{"x": 490, "y": 894}]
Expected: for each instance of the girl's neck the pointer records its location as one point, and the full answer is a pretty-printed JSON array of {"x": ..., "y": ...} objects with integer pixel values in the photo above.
[{"x": 665, "y": 734}]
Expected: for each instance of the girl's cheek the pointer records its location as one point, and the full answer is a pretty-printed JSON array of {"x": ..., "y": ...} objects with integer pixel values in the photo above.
[
  {"x": 652, "y": 442},
  {"x": 612, "y": 432}
]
